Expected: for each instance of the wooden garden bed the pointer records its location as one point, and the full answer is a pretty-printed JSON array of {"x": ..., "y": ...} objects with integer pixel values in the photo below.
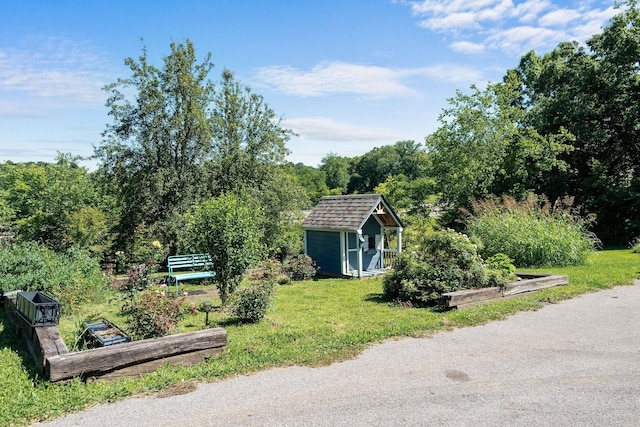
[
  {"x": 54, "y": 361},
  {"x": 529, "y": 283}
]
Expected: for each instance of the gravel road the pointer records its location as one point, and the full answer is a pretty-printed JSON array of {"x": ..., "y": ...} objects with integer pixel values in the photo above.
[{"x": 574, "y": 363}]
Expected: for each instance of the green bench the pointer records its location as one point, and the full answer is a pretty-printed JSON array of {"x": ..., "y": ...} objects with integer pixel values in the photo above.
[{"x": 198, "y": 264}]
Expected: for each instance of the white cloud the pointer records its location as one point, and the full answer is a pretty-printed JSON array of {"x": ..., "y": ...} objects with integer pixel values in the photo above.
[
  {"x": 467, "y": 47},
  {"x": 344, "y": 78},
  {"x": 454, "y": 73},
  {"x": 326, "y": 129},
  {"x": 518, "y": 40},
  {"x": 511, "y": 28},
  {"x": 337, "y": 77},
  {"x": 452, "y": 21},
  {"x": 52, "y": 68},
  {"x": 529, "y": 11},
  {"x": 559, "y": 18}
]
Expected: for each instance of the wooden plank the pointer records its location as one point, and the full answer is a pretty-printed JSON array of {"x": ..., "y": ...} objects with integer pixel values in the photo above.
[
  {"x": 535, "y": 284},
  {"x": 47, "y": 342},
  {"x": 107, "y": 359},
  {"x": 457, "y": 298},
  {"x": 132, "y": 371}
]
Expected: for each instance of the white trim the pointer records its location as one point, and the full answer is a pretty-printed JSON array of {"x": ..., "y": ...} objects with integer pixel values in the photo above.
[{"x": 344, "y": 256}]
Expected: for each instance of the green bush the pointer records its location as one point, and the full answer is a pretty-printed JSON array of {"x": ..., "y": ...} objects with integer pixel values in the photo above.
[
  {"x": 635, "y": 246},
  {"x": 72, "y": 277},
  {"x": 153, "y": 313},
  {"x": 501, "y": 270},
  {"x": 301, "y": 267},
  {"x": 251, "y": 303},
  {"x": 443, "y": 261},
  {"x": 532, "y": 233}
]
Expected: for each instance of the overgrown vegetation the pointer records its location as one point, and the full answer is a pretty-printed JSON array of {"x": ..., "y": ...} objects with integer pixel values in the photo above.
[
  {"x": 73, "y": 277},
  {"x": 531, "y": 232}
]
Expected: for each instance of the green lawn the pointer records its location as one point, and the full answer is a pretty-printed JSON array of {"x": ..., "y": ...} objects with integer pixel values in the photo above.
[{"x": 311, "y": 323}]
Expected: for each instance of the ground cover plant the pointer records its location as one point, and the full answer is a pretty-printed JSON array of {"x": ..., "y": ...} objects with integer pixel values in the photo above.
[
  {"x": 73, "y": 277},
  {"x": 313, "y": 323}
]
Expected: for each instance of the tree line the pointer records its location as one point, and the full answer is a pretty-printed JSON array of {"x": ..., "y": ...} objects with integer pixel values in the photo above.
[{"x": 566, "y": 123}]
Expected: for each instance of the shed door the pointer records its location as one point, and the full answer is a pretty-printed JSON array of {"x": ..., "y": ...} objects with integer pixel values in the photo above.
[{"x": 352, "y": 252}]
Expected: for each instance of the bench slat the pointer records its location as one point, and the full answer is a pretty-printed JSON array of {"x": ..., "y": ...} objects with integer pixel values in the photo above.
[{"x": 191, "y": 261}]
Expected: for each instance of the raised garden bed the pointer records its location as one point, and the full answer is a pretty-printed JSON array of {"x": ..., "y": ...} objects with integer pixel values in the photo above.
[
  {"x": 528, "y": 283},
  {"x": 127, "y": 359}
]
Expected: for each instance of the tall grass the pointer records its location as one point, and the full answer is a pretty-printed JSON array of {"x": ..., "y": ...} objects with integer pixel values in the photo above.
[{"x": 532, "y": 233}]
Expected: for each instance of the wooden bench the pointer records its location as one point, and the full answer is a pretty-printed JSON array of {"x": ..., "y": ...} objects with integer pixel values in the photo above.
[{"x": 199, "y": 264}]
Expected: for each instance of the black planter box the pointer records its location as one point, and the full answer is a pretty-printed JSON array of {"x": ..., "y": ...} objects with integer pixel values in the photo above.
[
  {"x": 103, "y": 333},
  {"x": 38, "y": 309}
]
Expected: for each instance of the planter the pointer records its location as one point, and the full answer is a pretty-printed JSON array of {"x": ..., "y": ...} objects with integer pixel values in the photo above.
[
  {"x": 103, "y": 334},
  {"x": 38, "y": 309}
]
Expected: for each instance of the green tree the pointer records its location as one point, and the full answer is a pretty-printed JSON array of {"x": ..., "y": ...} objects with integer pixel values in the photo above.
[
  {"x": 41, "y": 199},
  {"x": 248, "y": 139},
  {"x": 485, "y": 146},
  {"x": 312, "y": 180},
  {"x": 152, "y": 153},
  {"x": 594, "y": 93},
  {"x": 228, "y": 228},
  {"x": 249, "y": 149},
  {"x": 336, "y": 169}
]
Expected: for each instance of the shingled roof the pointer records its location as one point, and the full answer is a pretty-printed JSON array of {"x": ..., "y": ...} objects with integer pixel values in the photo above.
[{"x": 350, "y": 212}]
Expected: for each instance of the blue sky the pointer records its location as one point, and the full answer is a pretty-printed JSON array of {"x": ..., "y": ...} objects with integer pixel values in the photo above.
[{"x": 345, "y": 75}]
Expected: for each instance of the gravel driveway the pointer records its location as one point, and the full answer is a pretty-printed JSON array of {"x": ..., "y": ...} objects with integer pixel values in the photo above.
[{"x": 572, "y": 363}]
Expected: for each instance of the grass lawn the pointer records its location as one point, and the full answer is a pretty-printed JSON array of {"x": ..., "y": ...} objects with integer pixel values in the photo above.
[{"x": 311, "y": 323}]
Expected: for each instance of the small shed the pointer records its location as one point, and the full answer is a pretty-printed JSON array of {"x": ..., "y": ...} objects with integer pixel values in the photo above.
[{"x": 355, "y": 235}]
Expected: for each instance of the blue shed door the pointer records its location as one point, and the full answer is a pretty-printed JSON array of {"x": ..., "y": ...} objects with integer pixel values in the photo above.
[{"x": 352, "y": 252}]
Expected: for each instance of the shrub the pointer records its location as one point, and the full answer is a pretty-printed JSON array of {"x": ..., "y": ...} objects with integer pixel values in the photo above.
[
  {"x": 137, "y": 281},
  {"x": 153, "y": 314},
  {"x": 500, "y": 270},
  {"x": 252, "y": 303},
  {"x": 443, "y": 261},
  {"x": 301, "y": 267},
  {"x": 532, "y": 233},
  {"x": 72, "y": 277},
  {"x": 635, "y": 246}
]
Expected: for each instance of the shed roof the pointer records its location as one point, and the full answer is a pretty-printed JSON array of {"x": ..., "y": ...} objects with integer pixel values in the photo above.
[{"x": 350, "y": 212}]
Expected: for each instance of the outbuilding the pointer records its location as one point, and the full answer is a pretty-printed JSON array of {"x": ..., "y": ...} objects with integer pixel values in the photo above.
[{"x": 356, "y": 235}]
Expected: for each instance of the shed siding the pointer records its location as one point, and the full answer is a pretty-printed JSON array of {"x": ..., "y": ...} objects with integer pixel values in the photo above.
[{"x": 324, "y": 248}]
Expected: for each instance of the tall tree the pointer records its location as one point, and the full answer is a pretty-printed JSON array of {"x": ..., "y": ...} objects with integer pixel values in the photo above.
[
  {"x": 249, "y": 148},
  {"x": 485, "y": 146},
  {"x": 374, "y": 167},
  {"x": 153, "y": 150},
  {"x": 594, "y": 93},
  {"x": 248, "y": 139}
]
